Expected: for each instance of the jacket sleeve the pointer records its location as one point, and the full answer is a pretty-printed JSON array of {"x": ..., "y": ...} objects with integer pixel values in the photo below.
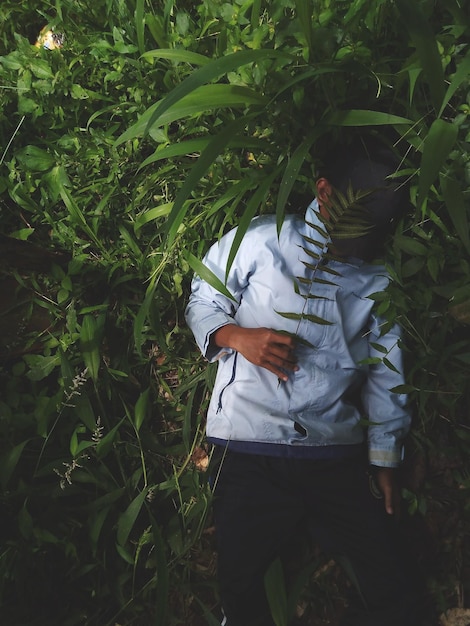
[
  {"x": 389, "y": 418},
  {"x": 208, "y": 309}
]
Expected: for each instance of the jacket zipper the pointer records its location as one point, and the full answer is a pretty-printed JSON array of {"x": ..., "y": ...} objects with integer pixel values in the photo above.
[{"x": 232, "y": 378}]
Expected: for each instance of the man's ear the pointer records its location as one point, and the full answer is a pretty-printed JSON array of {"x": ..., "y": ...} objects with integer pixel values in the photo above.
[{"x": 324, "y": 191}]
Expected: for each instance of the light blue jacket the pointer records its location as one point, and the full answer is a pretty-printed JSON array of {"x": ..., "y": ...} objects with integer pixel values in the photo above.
[{"x": 321, "y": 411}]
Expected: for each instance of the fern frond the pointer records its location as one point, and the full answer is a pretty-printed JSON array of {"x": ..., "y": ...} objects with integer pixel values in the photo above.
[
  {"x": 302, "y": 280},
  {"x": 312, "y": 296},
  {"x": 321, "y": 231},
  {"x": 314, "y": 242},
  {"x": 311, "y": 253},
  {"x": 305, "y": 316},
  {"x": 348, "y": 216},
  {"x": 323, "y": 281},
  {"x": 308, "y": 281},
  {"x": 297, "y": 339},
  {"x": 308, "y": 296},
  {"x": 327, "y": 269},
  {"x": 323, "y": 268},
  {"x": 310, "y": 266}
]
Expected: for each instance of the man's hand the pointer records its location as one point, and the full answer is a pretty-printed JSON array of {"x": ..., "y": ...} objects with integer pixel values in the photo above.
[
  {"x": 261, "y": 346},
  {"x": 387, "y": 483}
]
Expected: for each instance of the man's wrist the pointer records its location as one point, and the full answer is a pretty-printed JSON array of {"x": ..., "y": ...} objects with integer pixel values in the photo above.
[{"x": 224, "y": 336}]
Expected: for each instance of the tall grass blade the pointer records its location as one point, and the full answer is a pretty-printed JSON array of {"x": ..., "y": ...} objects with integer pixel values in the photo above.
[
  {"x": 78, "y": 217},
  {"x": 255, "y": 13},
  {"x": 139, "y": 18},
  {"x": 177, "y": 55},
  {"x": 152, "y": 214},
  {"x": 142, "y": 314},
  {"x": 161, "y": 574},
  {"x": 9, "y": 461},
  {"x": 209, "y": 72},
  {"x": 438, "y": 143},
  {"x": 90, "y": 345},
  {"x": 105, "y": 445},
  {"x": 307, "y": 76},
  {"x": 192, "y": 146},
  {"x": 215, "y": 147},
  {"x": 457, "y": 208},
  {"x": 207, "y": 275},
  {"x": 413, "y": 75},
  {"x": 291, "y": 172},
  {"x": 203, "y": 99},
  {"x": 461, "y": 75},
  {"x": 361, "y": 117},
  {"x": 252, "y": 207},
  {"x": 128, "y": 518},
  {"x": 234, "y": 194},
  {"x": 425, "y": 43},
  {"x": 304, "y": 10},
  {"x": 141, "y": 409}
]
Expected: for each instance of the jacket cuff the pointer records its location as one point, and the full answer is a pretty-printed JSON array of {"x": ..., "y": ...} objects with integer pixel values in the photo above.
[
  {"x": 212, "y": 352},
  {"x": 386, "y": 458}
]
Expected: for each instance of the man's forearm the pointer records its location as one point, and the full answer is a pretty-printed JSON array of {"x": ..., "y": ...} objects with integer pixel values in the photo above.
[{"x": 226, "y": 336}]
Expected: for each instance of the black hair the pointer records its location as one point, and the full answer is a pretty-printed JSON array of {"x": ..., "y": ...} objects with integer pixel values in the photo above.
[{"x": 368, "y": 164}]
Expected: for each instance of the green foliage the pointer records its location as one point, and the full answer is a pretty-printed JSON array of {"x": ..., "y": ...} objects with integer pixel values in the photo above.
[{"x": 123, "y": 154}]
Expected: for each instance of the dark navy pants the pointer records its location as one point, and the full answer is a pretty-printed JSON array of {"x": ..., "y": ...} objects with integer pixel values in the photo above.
[{"x": 262, "y": 503}]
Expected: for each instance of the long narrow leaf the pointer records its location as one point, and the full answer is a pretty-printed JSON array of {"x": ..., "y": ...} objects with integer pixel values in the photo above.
[
  {"x": 437, "y": 146},
  {"x": 188, "y": 429},
  {"x": 255, "y": 13},
  {"x": 141, "y": 409},
  {"x": 304, "y": 10},
  {"x": 207, "y": 275},
  {"x": 177, "y": 54},
  {"x": 143, "y": 314},
  {"x": 128, "y": 518},
  {"x": 78, "y": 217},
  {"x": 304, "y": 316},
  {"x": 9, "y": 461},
  {"x": 161, "y": 574},
  {"x": 233, "y": 194},
  {"x": 252, "y": 207},
  {"x": 291, "y": 172},
  {"x": 413, "y": 75},
  {"x": 455, "y": 203},
  {"x": 215, "y": 147},
  {"x": 461, "y": 75},
  {"x": 105, "y": 445},
  {"x": 210, "y": 72},
  {"x": 276, "y": 593},
  {"x": 90, "y": 346},
  {"x": 426, "y": 46},
  {"x": 152, "y": 214},
  {"x": 139, "y": 18},
  {"x": 197, "y": 145},
  {"x": 203, "y": 99},
  {"x": 361, "y": 117}
]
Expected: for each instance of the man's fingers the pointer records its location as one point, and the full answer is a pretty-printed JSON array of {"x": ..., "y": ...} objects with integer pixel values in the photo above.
[
  {"x": 389, "y": 504},
  {"x": 387, "y": 485},
  {"x": 282, "y": 355}
]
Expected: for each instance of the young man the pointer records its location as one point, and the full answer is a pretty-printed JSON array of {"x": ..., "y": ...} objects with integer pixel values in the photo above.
[{"x": 295, "y": 386}]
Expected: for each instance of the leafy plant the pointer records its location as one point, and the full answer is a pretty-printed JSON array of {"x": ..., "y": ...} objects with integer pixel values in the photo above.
[{"x": 123, "y": 154}]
